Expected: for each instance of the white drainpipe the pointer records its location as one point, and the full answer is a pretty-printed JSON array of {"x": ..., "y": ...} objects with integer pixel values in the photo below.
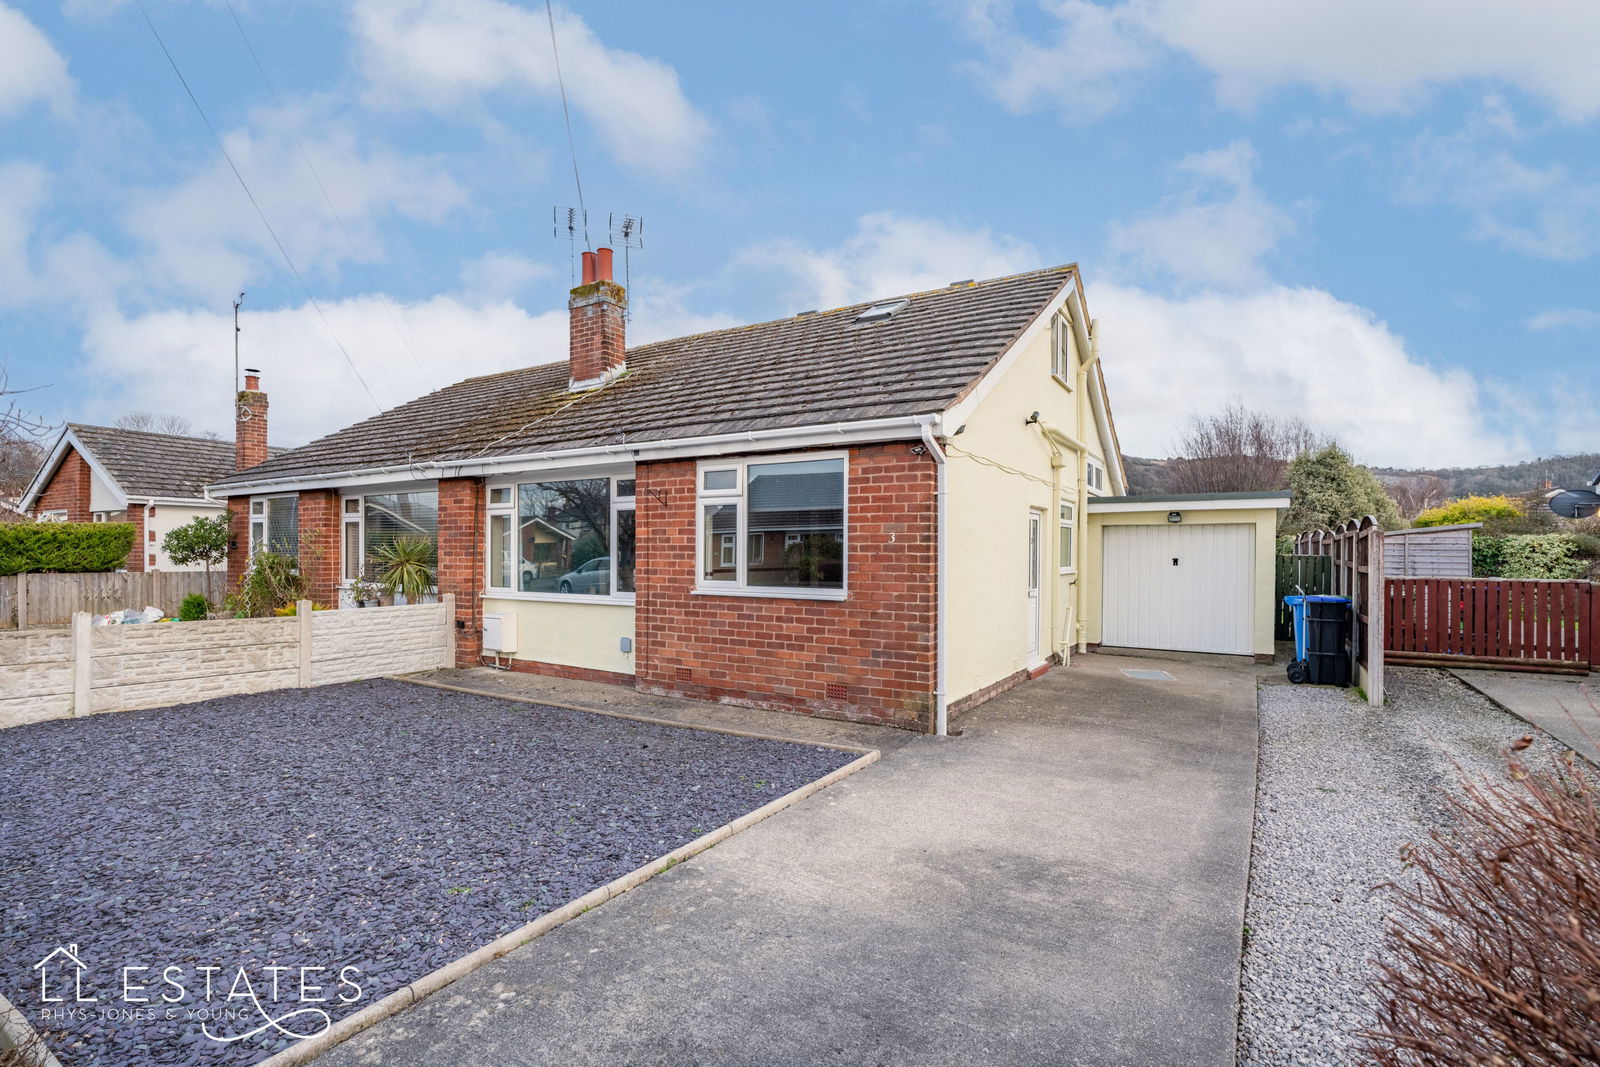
[{"x": 941, "y": 692}]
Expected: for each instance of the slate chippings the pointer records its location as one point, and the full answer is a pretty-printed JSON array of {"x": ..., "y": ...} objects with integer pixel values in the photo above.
[{"x": 376, "y": 825}]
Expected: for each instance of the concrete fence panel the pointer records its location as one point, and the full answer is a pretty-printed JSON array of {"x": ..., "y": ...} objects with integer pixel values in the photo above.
[
  {"x": 53, "y": 674},
  {"x": 35, "y": 676}
]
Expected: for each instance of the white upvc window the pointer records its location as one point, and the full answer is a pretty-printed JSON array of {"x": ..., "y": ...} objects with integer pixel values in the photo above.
[
  {"x": 1068, "y": 540},
  {"x": 1061, "y": 350},
  {"x": 563, "y": 538},
  {"x": 773, "y": 526},
  {"x": 350, "y": 541},
  {"x": 1095, "y": 476},
  {"x": 377, "y": 520},
  {"x": 275, "y": 525}
]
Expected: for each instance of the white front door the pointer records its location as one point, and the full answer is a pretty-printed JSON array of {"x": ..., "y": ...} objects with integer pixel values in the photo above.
[
  {"x": 1182, "y": 587},
  {"x": 1035, "y": 563}
]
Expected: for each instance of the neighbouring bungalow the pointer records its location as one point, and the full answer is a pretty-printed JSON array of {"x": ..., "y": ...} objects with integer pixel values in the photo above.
[
  {"x": 886, "y": 512},
  {"x": 156, "y": 481}
]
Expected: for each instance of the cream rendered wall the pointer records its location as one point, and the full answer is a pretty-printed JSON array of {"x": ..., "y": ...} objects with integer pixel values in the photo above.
[
  {"x": 987, "y": 520},
  {"x": 167, "y": 518},
  {"x": 1265, "y": 521},
  {"x": 573, "y": 634},
  {"x": 101, "y": 496}
]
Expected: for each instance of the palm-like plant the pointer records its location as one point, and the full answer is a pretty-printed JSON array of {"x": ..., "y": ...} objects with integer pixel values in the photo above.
[{"x": 406, "y": 566}]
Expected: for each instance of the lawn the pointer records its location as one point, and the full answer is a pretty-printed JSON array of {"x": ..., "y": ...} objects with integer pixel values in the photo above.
[{"x": 265, "y": 863}]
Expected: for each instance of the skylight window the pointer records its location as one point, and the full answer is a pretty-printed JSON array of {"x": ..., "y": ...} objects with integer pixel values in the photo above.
[{"x": 879, "y": 312}]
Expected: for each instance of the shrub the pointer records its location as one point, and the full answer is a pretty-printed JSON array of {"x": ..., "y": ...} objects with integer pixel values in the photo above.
[
  {"x": 202, "y": 540},
  {"x": 1488, "y": 556},
  {"x": 194, "y": 608},
  {"x": 271, "y": 582},
  {"x": 1555, "y": 557},
  {"x": 1495, "y": 957},
  {"x": 1470, "y": 509},
  {"x": 65, "y": 547}
]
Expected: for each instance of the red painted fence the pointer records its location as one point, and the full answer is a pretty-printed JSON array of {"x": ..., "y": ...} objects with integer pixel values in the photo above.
[{"x": 1492, "y": 622}]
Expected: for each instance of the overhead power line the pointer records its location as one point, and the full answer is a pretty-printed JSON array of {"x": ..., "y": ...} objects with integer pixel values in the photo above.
[
  {"x": 284, "y": 252},
  {"x": 572, "y": 148},
  {"x": 326, "y": 199}
]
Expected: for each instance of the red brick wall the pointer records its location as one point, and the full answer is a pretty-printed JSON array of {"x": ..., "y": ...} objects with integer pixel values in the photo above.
[
  {"x": 461, "y": 534},
  {"x": 879, "y": 644},
  {"x": 597, "y": 343},
  {"x": 68, "y": 489},
  {"x": 140, "y": 552},
  {"x": 319, "y": 544},
  {"x": 250, "y": 430},
  {"x": 238, "y": 540}
]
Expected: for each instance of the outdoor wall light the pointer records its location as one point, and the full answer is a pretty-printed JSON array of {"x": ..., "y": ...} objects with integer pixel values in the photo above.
[{"x": 1174, "y": 516}]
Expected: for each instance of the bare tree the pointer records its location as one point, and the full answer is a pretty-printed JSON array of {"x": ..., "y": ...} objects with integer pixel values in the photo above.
[
  {"x": 22, "y": 437},
  {"x": 1238, "y": 450},
  {"x": 1417, "y": 493},
  {"x": 153, "y": 423}
]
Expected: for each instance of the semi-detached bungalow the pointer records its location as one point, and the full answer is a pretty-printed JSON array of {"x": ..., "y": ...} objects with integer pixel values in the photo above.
[{"x": 887, "y": 512}]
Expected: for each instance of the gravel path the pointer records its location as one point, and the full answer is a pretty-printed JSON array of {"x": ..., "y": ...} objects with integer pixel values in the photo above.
[
  {"x": 376, "y": 825},
  {"x": 1342, "y": 787}
]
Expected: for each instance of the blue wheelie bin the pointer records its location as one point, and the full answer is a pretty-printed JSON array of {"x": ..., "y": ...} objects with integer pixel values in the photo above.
[{"x": 1321, "y": 624}]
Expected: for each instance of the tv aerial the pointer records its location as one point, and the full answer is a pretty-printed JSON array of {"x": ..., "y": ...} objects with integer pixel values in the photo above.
[
  {"x": 570, "y": 222},
  {"x": 627, "y": 231}
]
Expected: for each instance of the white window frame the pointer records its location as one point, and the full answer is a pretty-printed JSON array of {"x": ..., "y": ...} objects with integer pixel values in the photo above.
[
  {"x": 510, "y": 508},
  {"x": 1061, "y": 368},
  {"x": 259, "y": 518},
  {"x": 1094, "y": 476},
  {"x": 740, "y": 495},
  {"x": 1067, "y": 520},
  {"x": 359, "y": 521}
]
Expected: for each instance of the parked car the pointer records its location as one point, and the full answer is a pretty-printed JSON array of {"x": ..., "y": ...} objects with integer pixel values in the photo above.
[{"x": 592, "y": 577}]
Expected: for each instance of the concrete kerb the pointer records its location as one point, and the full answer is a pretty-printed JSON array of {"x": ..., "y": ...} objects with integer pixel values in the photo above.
[
  {"x": 17, "y": 1036},
  {"x": 374, "y": 1013},
  {"x": 635, "y": 717}
]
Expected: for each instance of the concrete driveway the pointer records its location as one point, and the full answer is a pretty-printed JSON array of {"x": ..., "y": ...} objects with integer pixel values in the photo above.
[
  {"x": 1063, "y": 884},
  {"x": 1564, "y": 706}
]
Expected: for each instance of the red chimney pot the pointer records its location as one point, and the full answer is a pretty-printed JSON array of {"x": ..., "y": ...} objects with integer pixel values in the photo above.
[
  {"x": 604, "y": 256},
  {"x": 590, "y": 275}
]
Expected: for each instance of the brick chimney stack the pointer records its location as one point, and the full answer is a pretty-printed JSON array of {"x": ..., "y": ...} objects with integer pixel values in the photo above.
[
  {"x": 250, "y": 423},
  {"x": 598, "y": 349}
]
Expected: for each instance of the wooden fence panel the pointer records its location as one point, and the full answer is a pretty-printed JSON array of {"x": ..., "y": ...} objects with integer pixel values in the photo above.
[
  {"x": 33, "y": 600},
  {"x": 1498, "y": 622}
]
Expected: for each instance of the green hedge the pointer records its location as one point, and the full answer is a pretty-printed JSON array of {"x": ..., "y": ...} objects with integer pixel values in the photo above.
[
  {"x": 71, "y": 547},
  {"x": 1561, "y": 556}
]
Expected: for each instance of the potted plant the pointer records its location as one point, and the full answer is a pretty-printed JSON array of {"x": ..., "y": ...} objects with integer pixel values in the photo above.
[
  {"x": 406, "y": 567},
  {"x": 363, "y": 592}
]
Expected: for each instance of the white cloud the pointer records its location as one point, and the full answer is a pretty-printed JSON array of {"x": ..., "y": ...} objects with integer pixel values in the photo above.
[
  {"x": 202, "y": 232},
  {"x": 1542, "y": 211},
  {"x": 30, "y": 67},
  {"x": 1302, "y": 352},
  {"x": 1215, "y": 232},
  {"x": 889, "y": 254},
  {"x": 1079, "y": 68},
  {"x": 438, "y": 53},
  {"x": 23, "y": 191},
  {"x": 1380, "y": 54},
  {"x": 1564, "y": 319},
  {"x": 501, "y": 274},
  {"x": 313, "y": 389}
]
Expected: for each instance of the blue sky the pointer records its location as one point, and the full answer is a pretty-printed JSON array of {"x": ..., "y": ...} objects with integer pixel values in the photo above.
[{"x": 1382, "y": 216}]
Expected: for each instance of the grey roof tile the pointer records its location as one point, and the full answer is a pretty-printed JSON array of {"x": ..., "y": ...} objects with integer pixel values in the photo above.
[
  {"x": 164, "y": 465},
  {"x": 800, "y": 371}
]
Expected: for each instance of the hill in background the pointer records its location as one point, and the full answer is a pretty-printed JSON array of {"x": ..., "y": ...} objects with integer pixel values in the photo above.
[{"x": 1148, "y": 476}]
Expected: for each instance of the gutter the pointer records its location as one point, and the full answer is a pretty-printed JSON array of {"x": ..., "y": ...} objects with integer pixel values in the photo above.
[
  {"x": 941, "y": 689},
  {"x": 866, "y": 430}
]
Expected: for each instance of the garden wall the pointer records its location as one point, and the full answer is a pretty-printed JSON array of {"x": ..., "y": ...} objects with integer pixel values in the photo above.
[{"x": 54, "y": 674}]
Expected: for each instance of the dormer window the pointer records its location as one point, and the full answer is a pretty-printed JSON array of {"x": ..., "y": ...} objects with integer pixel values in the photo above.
[{"x": 879, "y": 312}]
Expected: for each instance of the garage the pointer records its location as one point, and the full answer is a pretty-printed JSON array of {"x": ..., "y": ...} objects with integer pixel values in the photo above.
[{"x": 1186, "y": 573}]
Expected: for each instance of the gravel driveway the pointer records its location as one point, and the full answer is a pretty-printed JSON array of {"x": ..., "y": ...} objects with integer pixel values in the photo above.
[
  {"x": 378, "y": 825},
  {"x": 1342, "y": 786}
]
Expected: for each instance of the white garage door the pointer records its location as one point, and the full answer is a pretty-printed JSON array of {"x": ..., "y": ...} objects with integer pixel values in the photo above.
[{"x": 1188, "y": 588}]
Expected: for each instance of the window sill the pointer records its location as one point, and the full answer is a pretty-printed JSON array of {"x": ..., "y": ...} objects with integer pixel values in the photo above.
[
  {"x": 1061, "y": 381},
  {"x": 622, "y": 599},
  {"x": 776, "y": 594},
  {"x": 1066, "y": 572}
]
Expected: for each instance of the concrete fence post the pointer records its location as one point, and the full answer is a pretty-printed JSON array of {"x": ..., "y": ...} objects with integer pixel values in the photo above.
[
  {"x": 302, "y": 615},
  {"x": 82, "y": 659},
  {"x": 447, "y": 653}
]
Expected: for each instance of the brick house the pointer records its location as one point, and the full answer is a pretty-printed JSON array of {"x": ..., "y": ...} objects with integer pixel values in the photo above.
[
  {"x": 156, "y": 481},
  {"x": 878, "y": 513}
]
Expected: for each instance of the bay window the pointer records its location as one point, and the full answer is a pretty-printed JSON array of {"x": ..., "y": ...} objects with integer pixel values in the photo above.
[
  {"x": 773, "y": 527},
  {"x": 567, "y": 538}
]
